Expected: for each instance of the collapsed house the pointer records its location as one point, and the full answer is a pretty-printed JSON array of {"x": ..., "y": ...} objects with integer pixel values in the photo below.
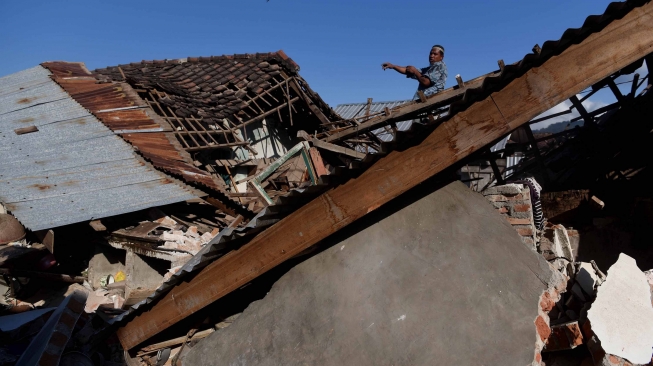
[{"x": 174, "y": 193}]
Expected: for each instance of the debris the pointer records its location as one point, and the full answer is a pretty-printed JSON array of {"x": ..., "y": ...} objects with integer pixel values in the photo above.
[
  {"x": 49, "y": 276},
  {"x": 50, "y": 343},
  {"x": 564, "y": 336},
  {"x": 163, "y": 130},
  {"x": 97, "y": 225},
  {"x": 621, "y": 317},
  {"x": 597, "y": 203},
  {"x": 587, "y": 278},
  {"x": 10, "y": 229}
]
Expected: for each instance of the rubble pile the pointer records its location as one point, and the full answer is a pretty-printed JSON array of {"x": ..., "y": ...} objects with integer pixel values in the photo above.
[
  {"x": 151, "y": 205},
  {"x": 606, "y": 319}
]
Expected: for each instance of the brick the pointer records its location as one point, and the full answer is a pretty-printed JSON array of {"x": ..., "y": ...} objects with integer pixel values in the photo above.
[
  {"x": 525, "y": 232},
  {"x": 498, "y": 204},
  {"x": 614, "y": 360},
  {"x": 503, "y": 209},
  {"x": 517, "y": 197},
  {"x": 504, "y": 189},
  {"x": 525, "y": 207},
  {"x": 522, "y": 215},
  {"x": 564, "y": 336},
  {"x": 517, "y": 221},
  {"x": 528, "y": 241},
  {"x": 542, "y": 328},
  {"x": 547, "y": 303}
]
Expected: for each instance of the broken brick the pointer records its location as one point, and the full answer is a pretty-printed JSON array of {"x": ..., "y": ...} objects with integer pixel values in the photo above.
[
  {"x": 524, "y": 207},
  {"x": 516, "y": 221},
  {"x": 543, "y": 329},
  {"x": 525, "y": 232},
  {"x": 547, "y": 303}
]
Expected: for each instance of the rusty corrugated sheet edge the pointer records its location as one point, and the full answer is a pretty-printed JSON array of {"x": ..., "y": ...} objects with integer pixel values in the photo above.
[
  {"x": 50, "y": 65},
  {"x": 63, "y": 69},
  {"x": 54, "y": 108},
  {"x": 592, "y": 24}
]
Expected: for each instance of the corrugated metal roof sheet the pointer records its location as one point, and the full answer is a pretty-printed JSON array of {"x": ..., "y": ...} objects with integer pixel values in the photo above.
[
  {"x": 351, "y": 110},
  {"x": 73, "y": 168}
]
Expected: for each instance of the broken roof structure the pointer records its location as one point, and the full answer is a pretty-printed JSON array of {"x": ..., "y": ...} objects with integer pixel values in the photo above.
[
  {"x": 482, "y": 111},
  {"x": 262, "y": 170}
]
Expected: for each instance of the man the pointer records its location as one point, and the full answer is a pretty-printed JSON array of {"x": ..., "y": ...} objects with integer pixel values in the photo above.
[{"x": 432, "y": 78}]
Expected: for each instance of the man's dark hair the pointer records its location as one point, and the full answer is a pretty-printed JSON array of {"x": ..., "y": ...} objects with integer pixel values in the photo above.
[{"x": 440, "y": 47}]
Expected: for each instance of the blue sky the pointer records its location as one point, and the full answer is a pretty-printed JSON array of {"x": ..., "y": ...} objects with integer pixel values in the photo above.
[{"x": 338, "y": 44}]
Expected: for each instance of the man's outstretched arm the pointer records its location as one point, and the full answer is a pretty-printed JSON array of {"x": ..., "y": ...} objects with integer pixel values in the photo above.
[
  {"x": 411, "y": 71},
  {"x": 399, "y": 69}
]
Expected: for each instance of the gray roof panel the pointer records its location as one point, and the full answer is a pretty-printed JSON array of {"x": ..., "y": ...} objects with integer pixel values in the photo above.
[{"x": 73, "y": 168}]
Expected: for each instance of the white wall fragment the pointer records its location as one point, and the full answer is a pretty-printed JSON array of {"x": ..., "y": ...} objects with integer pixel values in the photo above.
[{"x": 622, "y": 315}]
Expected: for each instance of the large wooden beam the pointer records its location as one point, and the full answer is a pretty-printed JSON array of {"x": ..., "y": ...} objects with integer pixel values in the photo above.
[{"x": 579, "y": 66}]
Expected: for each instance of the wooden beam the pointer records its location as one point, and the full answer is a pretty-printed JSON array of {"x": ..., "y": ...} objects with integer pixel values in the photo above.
[
  {"x": 330, "y": 147},
  {"x": 45, "y": 275},
  {"x": 338, "y": 149},
  {"x": 459, "y": 80},
  {"x": 311, "y": 105},
  {"x": 560, "y": 77},
  {"x": 495, "y": 169},
  {"x": 399, "y": 113}
]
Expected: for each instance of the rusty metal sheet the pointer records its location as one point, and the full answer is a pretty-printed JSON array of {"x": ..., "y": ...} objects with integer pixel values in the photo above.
[
  {"x": 120, "y": 108},
  {"x": 73, "y": 168}
]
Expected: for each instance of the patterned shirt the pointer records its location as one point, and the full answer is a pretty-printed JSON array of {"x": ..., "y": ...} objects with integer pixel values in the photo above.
[{"x": 437, "y": 73}]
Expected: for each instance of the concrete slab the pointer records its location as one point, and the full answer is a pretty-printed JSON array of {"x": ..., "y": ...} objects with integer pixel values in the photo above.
[
  {"x": 144, "y": 276},
  {"x": 622, "y": 316},
  {"x": 106, "y": 261},
  {"x": 444, "y": 280}
]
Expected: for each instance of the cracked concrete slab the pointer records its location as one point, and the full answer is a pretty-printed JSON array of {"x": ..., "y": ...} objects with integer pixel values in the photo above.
[{"x": 442, "y": 280}]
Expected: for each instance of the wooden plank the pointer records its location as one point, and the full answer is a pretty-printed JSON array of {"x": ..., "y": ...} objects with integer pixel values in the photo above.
[
  {"x": 466, "y": 132},
  {"x": 339, "y": 149},
  {"x": 45, "y": 275}
]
